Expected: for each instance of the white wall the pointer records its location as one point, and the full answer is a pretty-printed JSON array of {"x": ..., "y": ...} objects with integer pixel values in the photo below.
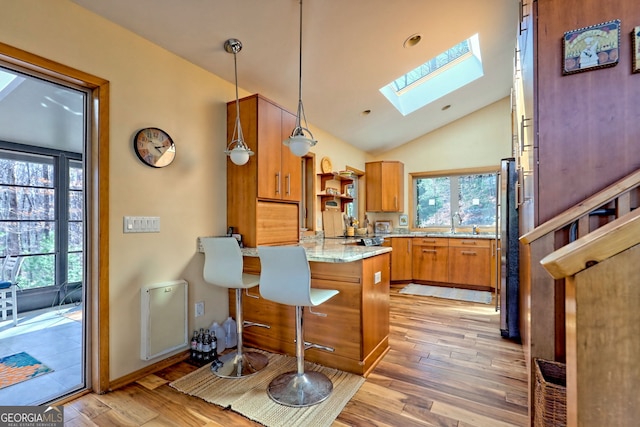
[{"x": 481, "y": 138}]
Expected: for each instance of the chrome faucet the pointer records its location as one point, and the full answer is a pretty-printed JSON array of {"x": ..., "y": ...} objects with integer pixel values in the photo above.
[{"x": 453, "y": 222}]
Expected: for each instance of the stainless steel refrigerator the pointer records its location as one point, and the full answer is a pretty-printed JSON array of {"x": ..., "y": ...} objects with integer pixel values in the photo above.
[{"x": 508, "y": 250}]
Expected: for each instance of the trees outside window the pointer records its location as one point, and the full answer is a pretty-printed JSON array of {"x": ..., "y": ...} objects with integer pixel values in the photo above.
[
  {"x": 438, "y": 197},
  {"x": 42, "y": 214}
]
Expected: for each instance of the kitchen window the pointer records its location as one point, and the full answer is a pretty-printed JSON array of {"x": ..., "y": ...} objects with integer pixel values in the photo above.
[{"x": 462, "y": 199}]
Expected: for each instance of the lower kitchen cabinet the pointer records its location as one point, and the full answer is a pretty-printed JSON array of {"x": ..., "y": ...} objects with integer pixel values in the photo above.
[
  {"x": 461, "y": 261},
  {"x": 355, "y": 322},
  {"x": 401, "y": 258},
  {"x": 430, "y": 260},
  {"x": 470, "y": 261}
]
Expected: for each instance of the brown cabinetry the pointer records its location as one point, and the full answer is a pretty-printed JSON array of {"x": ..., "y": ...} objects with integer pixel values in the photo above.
[
  {"x": 385, "y": 186},
  {"x": 430, "y": 259},
  {"x": 458, "y": 261},
  {"x": 401, "y": 258},
  {"x": 355, "y": 323},
  {"x": 263, "y": 196},
  {"x": 470, "y": 262}
]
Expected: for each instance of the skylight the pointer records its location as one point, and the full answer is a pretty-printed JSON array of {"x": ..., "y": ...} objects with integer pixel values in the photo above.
[{"x": 447, "y": 72}]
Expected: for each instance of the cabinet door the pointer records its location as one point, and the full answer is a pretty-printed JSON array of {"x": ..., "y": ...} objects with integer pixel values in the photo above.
[
  {"x": 392, "y": 189},
  {"x": 385, "y": 189},
  {"x": 430, "y": 263},
  {"x": 470, "y": 262},
  {"x": 291, "y": 174},
  {"x": 277, "y": 223},
  {"x": 270, "y": 180},
  {"x": 401, "y": 258}
]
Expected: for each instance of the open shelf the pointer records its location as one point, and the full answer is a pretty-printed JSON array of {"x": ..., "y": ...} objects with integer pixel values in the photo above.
[{"x": 344, "y": 182}]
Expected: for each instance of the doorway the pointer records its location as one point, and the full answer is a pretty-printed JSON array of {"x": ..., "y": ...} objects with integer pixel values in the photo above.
[{"x": 95, "y": 199}]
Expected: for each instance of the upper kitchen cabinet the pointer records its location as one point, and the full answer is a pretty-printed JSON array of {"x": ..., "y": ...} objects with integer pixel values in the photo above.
[
  {"x": 385, "y": 186},
  {"x": 263, "y": 196},
  {"x": 265, "y": 126}
]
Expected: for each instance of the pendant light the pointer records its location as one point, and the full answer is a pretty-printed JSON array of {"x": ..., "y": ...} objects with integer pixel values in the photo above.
[
  {"x": 237, "y": 150},
  {"x": 298, "y": 142}
]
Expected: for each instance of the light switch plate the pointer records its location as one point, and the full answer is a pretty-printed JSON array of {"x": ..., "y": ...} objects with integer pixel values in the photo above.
[{"x": 377, "y": 277}]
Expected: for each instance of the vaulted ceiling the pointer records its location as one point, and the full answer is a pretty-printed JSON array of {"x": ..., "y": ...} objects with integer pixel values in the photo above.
[{"x": 351, "y": 48}]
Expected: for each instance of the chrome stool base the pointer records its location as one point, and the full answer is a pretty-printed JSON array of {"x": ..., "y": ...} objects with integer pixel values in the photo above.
[
  {"x": 299, "y": 390},
  {"x": 239, "y": 366}
]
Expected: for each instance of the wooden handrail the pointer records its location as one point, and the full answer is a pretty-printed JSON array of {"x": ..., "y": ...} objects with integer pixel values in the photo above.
[
  {"x": 572, "y": 214},
  {"x": 605, "y": 242}
]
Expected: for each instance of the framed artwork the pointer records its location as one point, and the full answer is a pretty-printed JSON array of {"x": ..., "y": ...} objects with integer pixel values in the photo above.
[
  {"x": 404, "y": 220},
  {"x": 635, "y": 53},
  {"x": 591, "y": 48}
]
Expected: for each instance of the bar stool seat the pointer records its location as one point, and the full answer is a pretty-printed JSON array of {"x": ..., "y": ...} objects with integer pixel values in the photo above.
[
  {"x": 9, "y": 287},
  {"x": 285, "y": 278},
  {"x": 223, "y": 267}
]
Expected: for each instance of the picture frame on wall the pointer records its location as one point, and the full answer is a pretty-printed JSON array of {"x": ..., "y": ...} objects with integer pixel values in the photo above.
[
  {"x": 635, "y": 52},
  {"x": 591, "y": 48}
]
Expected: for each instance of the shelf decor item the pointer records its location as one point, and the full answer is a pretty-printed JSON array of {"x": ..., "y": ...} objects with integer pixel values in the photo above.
[
  {"x": 590, "y": 48},
  {"x": 635, "y": 53}
]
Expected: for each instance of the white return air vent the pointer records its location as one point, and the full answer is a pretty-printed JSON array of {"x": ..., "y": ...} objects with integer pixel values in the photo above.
[{"x": 164, "y": 318}]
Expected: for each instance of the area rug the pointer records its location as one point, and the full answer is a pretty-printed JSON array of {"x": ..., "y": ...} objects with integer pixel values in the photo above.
[
  {"x": 248, "y": 396},
  {"x": 20, "y": 367},
  {"x": 448, "y": 293}
]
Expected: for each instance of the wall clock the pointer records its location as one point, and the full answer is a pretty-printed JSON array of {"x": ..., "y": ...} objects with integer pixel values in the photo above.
[{"x": 154, "y": 147}]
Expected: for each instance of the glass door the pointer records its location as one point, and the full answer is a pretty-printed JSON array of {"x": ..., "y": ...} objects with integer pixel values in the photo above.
[{"x": 43, "y": 131}]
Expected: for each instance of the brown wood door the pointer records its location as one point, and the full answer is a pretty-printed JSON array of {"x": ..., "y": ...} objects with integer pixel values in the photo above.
[
  {"x": 291, "y": 164},
  {"x": 401, "y": 258},
  {"x": 430, "y": 263},
  {"x": 270, "y": 181},
  {"x": 470, "y": 262},
  {"x": 392, "y": 197}
]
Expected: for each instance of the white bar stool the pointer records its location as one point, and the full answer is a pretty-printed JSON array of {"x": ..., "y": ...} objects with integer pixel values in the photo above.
[
  {"x": 285, "y": 278},
  {"x": 223, "y": 267}
]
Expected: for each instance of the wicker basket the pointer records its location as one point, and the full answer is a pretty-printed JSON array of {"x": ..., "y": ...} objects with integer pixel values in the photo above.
[{"x": 550, "y": 394}]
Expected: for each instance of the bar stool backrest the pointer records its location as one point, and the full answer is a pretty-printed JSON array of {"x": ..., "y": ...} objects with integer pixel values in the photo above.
[
  {"x": 284, "y": 275},
  {"x": 222, "y": 262}
]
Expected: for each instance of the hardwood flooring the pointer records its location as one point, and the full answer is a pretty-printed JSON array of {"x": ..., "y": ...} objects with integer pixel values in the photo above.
[{"x": 448, "y": 366}]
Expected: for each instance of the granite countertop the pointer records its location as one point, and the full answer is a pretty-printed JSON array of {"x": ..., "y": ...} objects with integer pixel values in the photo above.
[{"x": 333, "y": 250}]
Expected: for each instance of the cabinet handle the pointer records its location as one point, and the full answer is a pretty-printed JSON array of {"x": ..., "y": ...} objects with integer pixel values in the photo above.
[
  {"x": 408, "y": 246},
  {"x": 469, "y": 242},
  {"x": 278, "y": 183},
  {"x": 469, "y": 253},
  {"x": 430, "y": 251},
  {"x": 428, "y": 241},
  {"x": 288, "y": 184}
]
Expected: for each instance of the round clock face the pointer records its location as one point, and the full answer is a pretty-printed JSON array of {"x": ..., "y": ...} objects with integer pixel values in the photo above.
[{"x": 154, "y": 147}]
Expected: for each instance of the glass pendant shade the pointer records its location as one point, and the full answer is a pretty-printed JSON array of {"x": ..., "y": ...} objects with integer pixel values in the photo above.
[
  {"x": 239, "y": 155},
  {"x": 237, "y": 150}
]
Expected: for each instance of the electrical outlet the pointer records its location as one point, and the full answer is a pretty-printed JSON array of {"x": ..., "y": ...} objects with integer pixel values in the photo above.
[
  {"x": 377, "y": 277},
  {"x": 200, "y": 309}
]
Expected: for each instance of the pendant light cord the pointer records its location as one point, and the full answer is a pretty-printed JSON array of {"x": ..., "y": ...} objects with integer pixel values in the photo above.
[{"x": 238, "y": 126}]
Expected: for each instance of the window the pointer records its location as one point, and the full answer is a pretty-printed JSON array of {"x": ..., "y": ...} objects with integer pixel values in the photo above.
[
  {"x": 41, "y": 214},
  {"x": 438, "y": 197}
]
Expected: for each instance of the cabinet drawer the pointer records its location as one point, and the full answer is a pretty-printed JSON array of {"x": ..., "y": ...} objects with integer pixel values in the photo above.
[
  {"x": 470, "y": 266},
  {"x": 470, "y": 243},
  {"x": 430, "y": 241}
]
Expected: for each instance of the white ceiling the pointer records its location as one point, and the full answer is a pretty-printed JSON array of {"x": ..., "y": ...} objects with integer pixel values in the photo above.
[{"x": 351, "y": 48}]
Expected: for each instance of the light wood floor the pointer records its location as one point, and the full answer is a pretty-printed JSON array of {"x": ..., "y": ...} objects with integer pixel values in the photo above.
[{"x": 448, "y": 366}]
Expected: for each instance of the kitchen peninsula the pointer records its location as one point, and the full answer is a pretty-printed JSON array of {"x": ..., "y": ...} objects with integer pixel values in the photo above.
[{"x": 356, "y": 324}]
